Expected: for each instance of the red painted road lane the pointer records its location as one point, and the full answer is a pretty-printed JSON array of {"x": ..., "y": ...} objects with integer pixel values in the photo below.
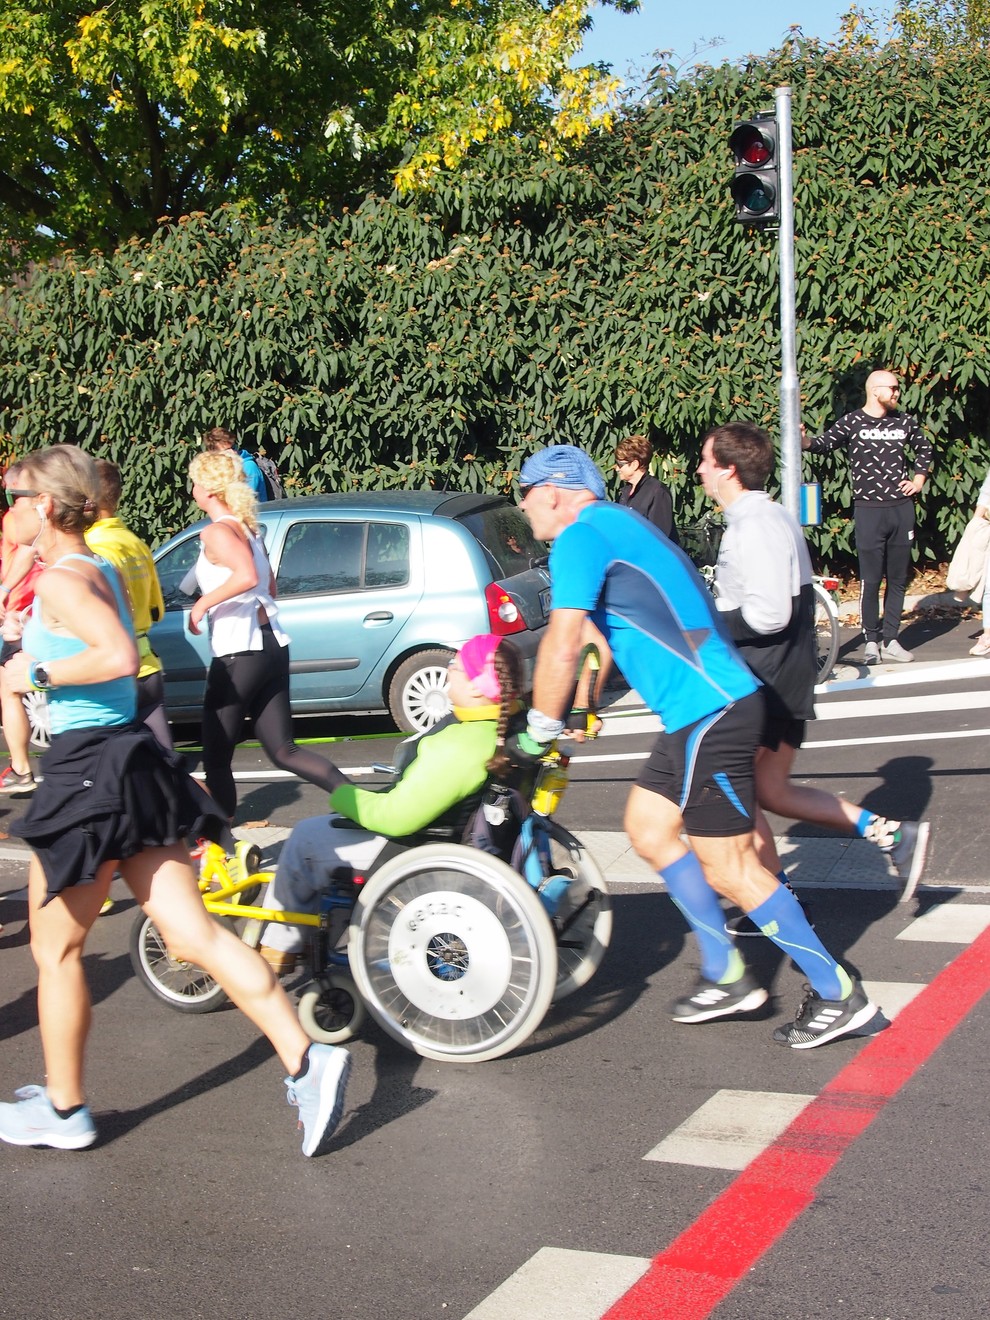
[{"x": 702, "y": 1266}]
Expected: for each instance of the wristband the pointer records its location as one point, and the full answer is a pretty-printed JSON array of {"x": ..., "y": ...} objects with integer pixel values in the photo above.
[{"x": 541, "y": 727}]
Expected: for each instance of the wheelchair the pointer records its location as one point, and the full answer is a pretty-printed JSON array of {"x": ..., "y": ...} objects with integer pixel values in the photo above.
[{"x": 455, "y": 953}]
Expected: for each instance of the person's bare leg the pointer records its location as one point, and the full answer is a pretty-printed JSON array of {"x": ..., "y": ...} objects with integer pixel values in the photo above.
[
  {"x": 163, "y": 882},
  {"x": 16, "y": 726},
  {"x": 58, "y": 933},
  {"x": 776, "y": 792}
]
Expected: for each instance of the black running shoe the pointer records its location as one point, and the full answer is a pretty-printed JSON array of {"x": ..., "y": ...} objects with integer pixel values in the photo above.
[
  {"x": 821, "y": 1020},
  {"x": 908, "y": 855},
  {"x": 710, "y": 1000}
]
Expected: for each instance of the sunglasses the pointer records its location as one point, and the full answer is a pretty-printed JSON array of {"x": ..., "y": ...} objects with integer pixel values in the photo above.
[{"x": 11, "y": 495}]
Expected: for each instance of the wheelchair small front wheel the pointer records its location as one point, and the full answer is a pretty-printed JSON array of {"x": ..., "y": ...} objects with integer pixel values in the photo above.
[
  {"x": 330, "y": 1009},
  {"x": 453, "y": 953},
  {"x": 583, "y": 916},
  {"x": 182, "y": 985}
]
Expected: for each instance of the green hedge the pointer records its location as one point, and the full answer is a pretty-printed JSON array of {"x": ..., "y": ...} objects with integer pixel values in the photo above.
[{"x": 525, "y": 302}]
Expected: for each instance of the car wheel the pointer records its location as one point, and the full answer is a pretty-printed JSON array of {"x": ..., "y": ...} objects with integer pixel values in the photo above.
[
  {"x": 417, "y": 695},
  {"x": 39, "y": 718}
]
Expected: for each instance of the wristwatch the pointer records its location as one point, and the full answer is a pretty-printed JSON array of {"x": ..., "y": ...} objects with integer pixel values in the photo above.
[{"x": 38, "y": 674}]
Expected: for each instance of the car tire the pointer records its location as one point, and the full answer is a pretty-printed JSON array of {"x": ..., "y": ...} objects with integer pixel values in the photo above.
[{"x": 417, "y": 694}]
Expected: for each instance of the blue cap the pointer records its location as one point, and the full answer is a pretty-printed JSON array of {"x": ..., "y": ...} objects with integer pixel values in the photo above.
[{"x": 565, "y": 466}]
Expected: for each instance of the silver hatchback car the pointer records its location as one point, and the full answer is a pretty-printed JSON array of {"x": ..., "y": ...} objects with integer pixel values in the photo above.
[{"x": 376, "y": 591}]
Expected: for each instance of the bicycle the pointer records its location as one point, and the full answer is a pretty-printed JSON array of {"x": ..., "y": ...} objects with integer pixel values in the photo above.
[
  {"x": 456, "y": 954},
  {"x": 706, "y": 536}
]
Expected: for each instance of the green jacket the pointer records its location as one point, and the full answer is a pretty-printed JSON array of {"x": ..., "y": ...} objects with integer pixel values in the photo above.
[{"x": 448, "y": 766}]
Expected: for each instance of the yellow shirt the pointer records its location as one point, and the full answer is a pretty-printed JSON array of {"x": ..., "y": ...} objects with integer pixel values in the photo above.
[{"x": 118, "y": 545}]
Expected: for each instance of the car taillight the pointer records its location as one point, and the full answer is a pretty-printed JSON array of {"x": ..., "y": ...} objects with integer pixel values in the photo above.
[{"x": 503, "y": 612}]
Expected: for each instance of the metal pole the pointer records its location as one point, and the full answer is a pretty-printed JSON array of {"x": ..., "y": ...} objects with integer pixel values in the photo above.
[{"x": 790, "y": 389}]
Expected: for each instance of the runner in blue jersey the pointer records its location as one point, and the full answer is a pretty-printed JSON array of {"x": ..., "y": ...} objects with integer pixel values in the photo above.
[{"x": 610, "y": 568}]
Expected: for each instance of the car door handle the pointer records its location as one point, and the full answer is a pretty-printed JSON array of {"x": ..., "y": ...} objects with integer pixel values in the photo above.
[{"x": 379, "y": 616}]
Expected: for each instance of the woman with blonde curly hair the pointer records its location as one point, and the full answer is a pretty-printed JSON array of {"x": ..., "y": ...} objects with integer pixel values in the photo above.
[{"x": 249, "y": 673}]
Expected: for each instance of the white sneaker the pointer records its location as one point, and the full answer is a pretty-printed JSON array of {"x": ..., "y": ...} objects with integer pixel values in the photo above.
[
  {"x": 894, "y": 651},
  {"x": 871, "y": 655}
]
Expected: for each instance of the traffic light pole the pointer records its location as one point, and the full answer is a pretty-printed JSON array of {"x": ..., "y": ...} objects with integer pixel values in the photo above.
[{"x": 790, "y": 389}]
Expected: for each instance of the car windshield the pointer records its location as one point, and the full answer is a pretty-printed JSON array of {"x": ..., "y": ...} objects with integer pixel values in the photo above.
[{"x": 503, "y": 531}]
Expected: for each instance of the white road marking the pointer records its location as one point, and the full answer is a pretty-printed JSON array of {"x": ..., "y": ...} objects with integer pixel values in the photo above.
[
  {"x": 892, "y": 996},
  {"x": 854, "y": 710},
  {"x": 949, "y": 923},
  {"x": 730, "y": 1129},
  {"x": 567, "y": 1285}
]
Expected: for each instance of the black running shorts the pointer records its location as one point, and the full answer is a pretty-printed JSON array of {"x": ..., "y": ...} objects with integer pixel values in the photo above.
[{"x": 706, "y": 769}]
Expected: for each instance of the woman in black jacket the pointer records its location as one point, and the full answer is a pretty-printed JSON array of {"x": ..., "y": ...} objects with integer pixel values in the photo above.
[{"x": 640, "y": 491}]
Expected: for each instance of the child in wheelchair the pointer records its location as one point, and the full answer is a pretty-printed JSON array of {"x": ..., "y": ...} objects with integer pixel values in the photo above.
[{"x": 441, "y": 778}]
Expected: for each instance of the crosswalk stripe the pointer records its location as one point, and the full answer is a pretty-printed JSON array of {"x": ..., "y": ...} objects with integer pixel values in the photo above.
[
  {"x": 949, "y": 923},
  {"x": 730, "y": 1129},
  {"x": 567, "y": 1285}
]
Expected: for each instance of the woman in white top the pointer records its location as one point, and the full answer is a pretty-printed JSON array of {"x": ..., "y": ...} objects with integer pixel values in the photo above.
[{"x": 249, "y": 674}]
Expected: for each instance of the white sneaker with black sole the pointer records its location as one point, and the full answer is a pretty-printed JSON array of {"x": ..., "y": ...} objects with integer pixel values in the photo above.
[
  {"x": 821, "y": 1020},
  {"x": 710, "y": 1000}
]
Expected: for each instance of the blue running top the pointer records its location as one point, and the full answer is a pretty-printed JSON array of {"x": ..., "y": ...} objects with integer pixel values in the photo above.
[{"x": 646, "y": 596}]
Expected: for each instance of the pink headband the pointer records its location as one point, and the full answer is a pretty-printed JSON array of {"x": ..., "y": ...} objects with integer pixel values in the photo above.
[{"x": 478, "y": 659}]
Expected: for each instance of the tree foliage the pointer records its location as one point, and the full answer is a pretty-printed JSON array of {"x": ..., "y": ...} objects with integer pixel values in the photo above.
[
  {"x": 944, "y": 25},
  {"x": 526, "y": 300},
  {"x": 120, "y": 115}
]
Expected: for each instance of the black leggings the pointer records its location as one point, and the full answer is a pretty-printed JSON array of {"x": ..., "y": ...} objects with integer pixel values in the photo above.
[{"x": 254, "y": 683}]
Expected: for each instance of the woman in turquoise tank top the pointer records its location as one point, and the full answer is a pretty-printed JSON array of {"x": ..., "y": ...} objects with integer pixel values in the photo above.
[{"x": 109, "y": 788}]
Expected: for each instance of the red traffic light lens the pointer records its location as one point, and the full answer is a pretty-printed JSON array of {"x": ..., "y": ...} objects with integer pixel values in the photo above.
[
  {"x": 751, "y": 146},
  {"x": 756, "y": 150}
]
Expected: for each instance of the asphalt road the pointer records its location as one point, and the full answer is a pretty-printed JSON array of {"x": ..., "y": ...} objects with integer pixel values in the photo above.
[{"x": 532, "y": 1186}]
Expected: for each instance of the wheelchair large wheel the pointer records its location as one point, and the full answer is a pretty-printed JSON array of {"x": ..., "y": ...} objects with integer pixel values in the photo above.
[
  {"x": 453, "y": 953},
  {"x": 183, "y": 986},
  {"x": 583, "y": 916}
]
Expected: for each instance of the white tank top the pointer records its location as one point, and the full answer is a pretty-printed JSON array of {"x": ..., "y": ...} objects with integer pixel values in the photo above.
[{"x": 234, "y": 623}]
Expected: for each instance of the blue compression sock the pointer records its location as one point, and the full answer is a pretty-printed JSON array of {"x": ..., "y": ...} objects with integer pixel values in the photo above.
[
  {"x": 781, "y": 919},
  {"x": 866, "y": 819},
  {"x": 690, "y": 891}
]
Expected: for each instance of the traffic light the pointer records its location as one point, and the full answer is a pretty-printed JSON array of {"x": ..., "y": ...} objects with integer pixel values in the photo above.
[{"x": 755, "y": 185}]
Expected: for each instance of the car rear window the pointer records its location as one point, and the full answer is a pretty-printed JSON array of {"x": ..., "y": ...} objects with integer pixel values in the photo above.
[{"x": 502, "y": 530}]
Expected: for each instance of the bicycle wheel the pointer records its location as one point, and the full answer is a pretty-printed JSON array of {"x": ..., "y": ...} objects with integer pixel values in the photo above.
[
  {"x": 453, "y": 953},
  {"x": 183, "y": 986},
  {"x": 826, "y": 631}
]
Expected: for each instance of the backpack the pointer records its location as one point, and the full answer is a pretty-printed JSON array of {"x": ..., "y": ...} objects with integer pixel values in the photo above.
[{"x": 273, "y": 482}]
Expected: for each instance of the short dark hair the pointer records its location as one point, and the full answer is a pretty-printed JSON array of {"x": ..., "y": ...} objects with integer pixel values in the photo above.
[
  {"x": 218, "y": 437},
  {"x": 634, "y": 449},
  {"x": 745, "y": 447},
  {"x": 108, "y": 476}
]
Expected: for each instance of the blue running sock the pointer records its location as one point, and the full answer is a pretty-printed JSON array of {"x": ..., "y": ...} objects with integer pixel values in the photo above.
[
  {"x": 866, "y": 819},
  {"x": 782, "y": 920},
  {"x": 698, "y": 904}
]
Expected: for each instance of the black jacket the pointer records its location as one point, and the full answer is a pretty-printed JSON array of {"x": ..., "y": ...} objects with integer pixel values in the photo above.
[{"x": 652, "y": 499}]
